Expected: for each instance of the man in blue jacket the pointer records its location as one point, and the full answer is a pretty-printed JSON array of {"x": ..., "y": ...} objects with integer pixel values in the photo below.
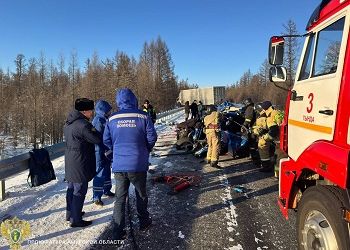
[
  {"x": 80, "y": 162},
  {"x": 131, "y": 135},
  {"x": 102, "y": 181}
]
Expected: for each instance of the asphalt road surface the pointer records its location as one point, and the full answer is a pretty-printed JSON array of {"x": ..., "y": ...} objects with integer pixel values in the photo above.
[{"x": 231, "y": 208}]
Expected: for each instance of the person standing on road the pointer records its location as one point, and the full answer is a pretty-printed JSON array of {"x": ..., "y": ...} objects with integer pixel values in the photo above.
[
  {"x": 131, "y": 135},
  {"x": 270, "y": 140},
  {"x": 102, "y": 181},
  {"x": 80, "y": 161},
  {"x": 200, "y": 109},
  {"x": 249, "y": 120},
  {"x": 194, "y": 110},
  {"x": 148, "y": 108},
  {"x": 274, "y": 119},
  {"x": 258, "y": 130},
  {"x": 187, "y": 110},
  {"x": 212, "y": 131}
]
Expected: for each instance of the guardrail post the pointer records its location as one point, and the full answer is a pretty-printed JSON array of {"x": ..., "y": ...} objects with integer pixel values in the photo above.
[{"x": 2, "y": 190}]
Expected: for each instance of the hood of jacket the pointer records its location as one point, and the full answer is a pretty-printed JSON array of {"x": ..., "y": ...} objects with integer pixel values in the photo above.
[
  {"x": 102, "y": 108},
  {"x": 126, "y": 99},
  {"x": 73, "y": 116}
]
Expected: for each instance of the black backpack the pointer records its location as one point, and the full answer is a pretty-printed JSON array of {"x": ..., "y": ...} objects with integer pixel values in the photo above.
[{"x": 40, "y": 168}]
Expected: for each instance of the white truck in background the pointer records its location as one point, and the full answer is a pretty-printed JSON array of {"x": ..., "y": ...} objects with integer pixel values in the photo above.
[{"x": 208, "y": 96}]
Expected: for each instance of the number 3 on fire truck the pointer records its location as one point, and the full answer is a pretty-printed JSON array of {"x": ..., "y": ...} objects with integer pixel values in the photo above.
[{"x": 311, "y": 105}]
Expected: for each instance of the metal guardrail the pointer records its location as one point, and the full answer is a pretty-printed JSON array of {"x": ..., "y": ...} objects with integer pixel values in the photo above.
[
  {"x": 19, "y": 163},
  {"x": 168, "y": 114}
]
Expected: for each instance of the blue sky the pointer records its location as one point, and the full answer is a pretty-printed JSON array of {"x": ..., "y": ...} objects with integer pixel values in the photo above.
[{"x": 211, "y": 42}]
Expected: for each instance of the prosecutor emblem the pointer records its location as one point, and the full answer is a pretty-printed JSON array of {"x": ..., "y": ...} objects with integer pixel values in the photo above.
[{"x": 15, "y": 231}]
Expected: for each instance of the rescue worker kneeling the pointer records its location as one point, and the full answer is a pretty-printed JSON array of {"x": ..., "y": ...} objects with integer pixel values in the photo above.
[{"x": 212, "y": 131}]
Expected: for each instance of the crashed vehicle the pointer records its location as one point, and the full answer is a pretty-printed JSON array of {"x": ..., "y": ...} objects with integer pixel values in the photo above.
[{"x": 191, "y": 134}]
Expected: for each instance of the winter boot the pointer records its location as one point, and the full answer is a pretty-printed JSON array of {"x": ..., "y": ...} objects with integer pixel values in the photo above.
[
  {"x": 98, "y": 203},
  {"x": 214, "y": 164},
  {"x": 109, "y": 194},
  {"x": 145, "y": 225},
  {"x": 82, "y": 223},
  {"x": 266, "y": 166},
  {"x": 68, "y": 215},
  {"x": 118, "y": 234},
  {"x": 254, "y": 154}
]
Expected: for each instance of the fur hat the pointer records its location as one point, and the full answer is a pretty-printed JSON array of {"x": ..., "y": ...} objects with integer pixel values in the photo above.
[{"x": 83, "y": 104}]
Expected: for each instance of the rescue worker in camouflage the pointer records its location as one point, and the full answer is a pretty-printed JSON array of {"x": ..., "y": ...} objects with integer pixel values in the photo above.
[
  {"x": 212, "y": 131},
  {"x": 259, "y": 129},
  {"x": 102, "y": 183},
  {"x": 246, "y": 129},
  {"x": 267, "y": 142}
]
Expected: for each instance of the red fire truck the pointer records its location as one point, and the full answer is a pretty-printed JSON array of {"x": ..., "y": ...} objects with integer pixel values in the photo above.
[{"x": 315, "y": 134}]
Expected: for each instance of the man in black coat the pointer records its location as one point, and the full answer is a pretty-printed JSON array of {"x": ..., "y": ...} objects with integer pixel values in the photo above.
[
  {"x": 80, "y": 162},
  {"x": 194, "y": 109}
]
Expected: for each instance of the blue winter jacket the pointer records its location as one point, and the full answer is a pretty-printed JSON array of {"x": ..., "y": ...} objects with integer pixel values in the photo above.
[
  {"x": 101, "y": 109},
  {"x": 130, "y": 133}
]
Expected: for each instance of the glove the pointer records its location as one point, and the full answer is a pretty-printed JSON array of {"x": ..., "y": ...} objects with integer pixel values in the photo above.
[{"x": 267, "y": 137}]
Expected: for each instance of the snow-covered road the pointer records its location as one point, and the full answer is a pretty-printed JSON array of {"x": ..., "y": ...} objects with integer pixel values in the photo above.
[
  {"x": 44, "y": 207},
  {"x": 233, "y": 208}
]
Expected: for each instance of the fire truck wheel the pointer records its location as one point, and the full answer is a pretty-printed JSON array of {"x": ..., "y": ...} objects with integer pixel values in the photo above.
[{"x": 320, "y": 223}]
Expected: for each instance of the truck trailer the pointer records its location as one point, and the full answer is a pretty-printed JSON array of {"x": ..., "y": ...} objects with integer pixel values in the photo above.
[{"x": 208, "y": 96}]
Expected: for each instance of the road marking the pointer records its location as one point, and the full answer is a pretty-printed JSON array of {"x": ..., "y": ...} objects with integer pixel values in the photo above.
[{"x": 230, "y": 213}]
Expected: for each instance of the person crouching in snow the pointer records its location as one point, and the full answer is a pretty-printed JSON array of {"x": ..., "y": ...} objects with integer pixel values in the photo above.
[{"x": 102, "y": 181}]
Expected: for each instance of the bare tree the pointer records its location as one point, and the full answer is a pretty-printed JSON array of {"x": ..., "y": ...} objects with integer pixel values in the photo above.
[{"x": 291, "y": 50}]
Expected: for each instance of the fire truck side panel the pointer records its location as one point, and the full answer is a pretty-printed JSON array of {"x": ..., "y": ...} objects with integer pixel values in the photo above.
[
  {"x": 317, "y": 94},
  {"x": 342, "y": 131},
  {"x": 316, "y": 142}
]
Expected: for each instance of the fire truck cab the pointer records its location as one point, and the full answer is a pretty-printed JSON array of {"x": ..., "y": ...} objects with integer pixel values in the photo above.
[{"x": 314, "y": 179}]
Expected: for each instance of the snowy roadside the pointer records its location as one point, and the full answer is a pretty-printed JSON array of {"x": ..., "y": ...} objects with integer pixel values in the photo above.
[
  {"x": 8, "y": 149},
  {"x": 44, "y": 207}
]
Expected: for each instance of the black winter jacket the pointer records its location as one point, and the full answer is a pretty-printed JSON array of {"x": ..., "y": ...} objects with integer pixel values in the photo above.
[
  {"x": 250, "y": 116},
  {"x": 80, "y": 136}
]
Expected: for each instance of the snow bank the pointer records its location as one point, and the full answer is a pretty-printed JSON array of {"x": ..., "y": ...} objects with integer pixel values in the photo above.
[{"x": 44, "y": 208}]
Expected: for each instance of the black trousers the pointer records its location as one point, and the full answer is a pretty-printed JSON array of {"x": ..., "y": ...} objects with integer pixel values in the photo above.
[{"x": 123, "y": 180}]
